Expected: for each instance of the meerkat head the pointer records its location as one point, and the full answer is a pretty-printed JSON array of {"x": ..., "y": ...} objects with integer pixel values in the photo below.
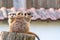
[
  {"x": 19, "y": 14},
  {"x": 12, "y": 15},
  {"x": 27, "y": 16}
]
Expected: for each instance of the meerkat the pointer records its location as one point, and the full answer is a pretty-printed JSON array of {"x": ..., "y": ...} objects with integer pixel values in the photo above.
[
  {"x": 21, "y": 24},
  {"x": 11, "y": 17},
  {"x": 27, "y": 17}
]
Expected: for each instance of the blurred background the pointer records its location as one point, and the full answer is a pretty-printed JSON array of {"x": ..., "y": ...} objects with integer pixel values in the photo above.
[{"x": 46, "y": 16}]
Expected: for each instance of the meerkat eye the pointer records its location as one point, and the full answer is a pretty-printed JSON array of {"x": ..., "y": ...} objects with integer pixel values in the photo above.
[
  {"x": 25, "y": 14},
  {"x": 18, "y": 13},
  {"x": 29, "y": 13},
  {"x": 14, "y": 14}
]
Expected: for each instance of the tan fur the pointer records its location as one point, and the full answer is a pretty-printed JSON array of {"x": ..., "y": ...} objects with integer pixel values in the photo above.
[
  {"x": 11, "y": 17},
  {"x": 21, "y": 23}
]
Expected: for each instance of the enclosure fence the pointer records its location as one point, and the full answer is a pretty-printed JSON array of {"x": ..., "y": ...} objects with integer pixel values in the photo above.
[
  {"x": 43, "y": 3},
  {"x": 31, "y": 3}
]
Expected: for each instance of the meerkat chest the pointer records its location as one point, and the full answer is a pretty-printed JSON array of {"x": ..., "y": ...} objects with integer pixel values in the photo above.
[{"x": 20, "y": 26}]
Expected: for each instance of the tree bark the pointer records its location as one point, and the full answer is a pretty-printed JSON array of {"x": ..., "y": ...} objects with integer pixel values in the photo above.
[{"x": 16, "y": 36}]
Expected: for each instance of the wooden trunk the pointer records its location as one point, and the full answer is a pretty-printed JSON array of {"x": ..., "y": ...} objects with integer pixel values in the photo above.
[{"x": 16, "y": 36}]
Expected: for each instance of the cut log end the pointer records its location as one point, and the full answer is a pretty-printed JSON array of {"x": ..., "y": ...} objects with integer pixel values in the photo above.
[{"x": 15, "y": 36}]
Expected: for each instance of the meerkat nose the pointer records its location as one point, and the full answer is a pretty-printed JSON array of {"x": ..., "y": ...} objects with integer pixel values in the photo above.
[
  {"x": 11, "y": 16},
  {"x": 22, "y": 14}
]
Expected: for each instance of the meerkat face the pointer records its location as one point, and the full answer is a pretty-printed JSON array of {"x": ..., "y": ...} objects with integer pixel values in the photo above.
[
  {"x": 19, "y": 14},
  {"x": 24, "y": 15},
  {"x": 11, "y": 15},
  {"x": 28, "y": 14}
]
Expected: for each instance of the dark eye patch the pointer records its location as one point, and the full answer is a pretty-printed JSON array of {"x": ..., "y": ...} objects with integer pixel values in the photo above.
[
  {"x": 29, "y": 13},
  {"x": 18, "y": 13},
  {"x": 25, "y": 14},
  {"x": 14, "y": 14}
]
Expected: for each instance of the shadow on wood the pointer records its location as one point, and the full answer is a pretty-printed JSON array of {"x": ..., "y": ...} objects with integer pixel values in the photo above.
[{"x": 16, "y": 36}]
